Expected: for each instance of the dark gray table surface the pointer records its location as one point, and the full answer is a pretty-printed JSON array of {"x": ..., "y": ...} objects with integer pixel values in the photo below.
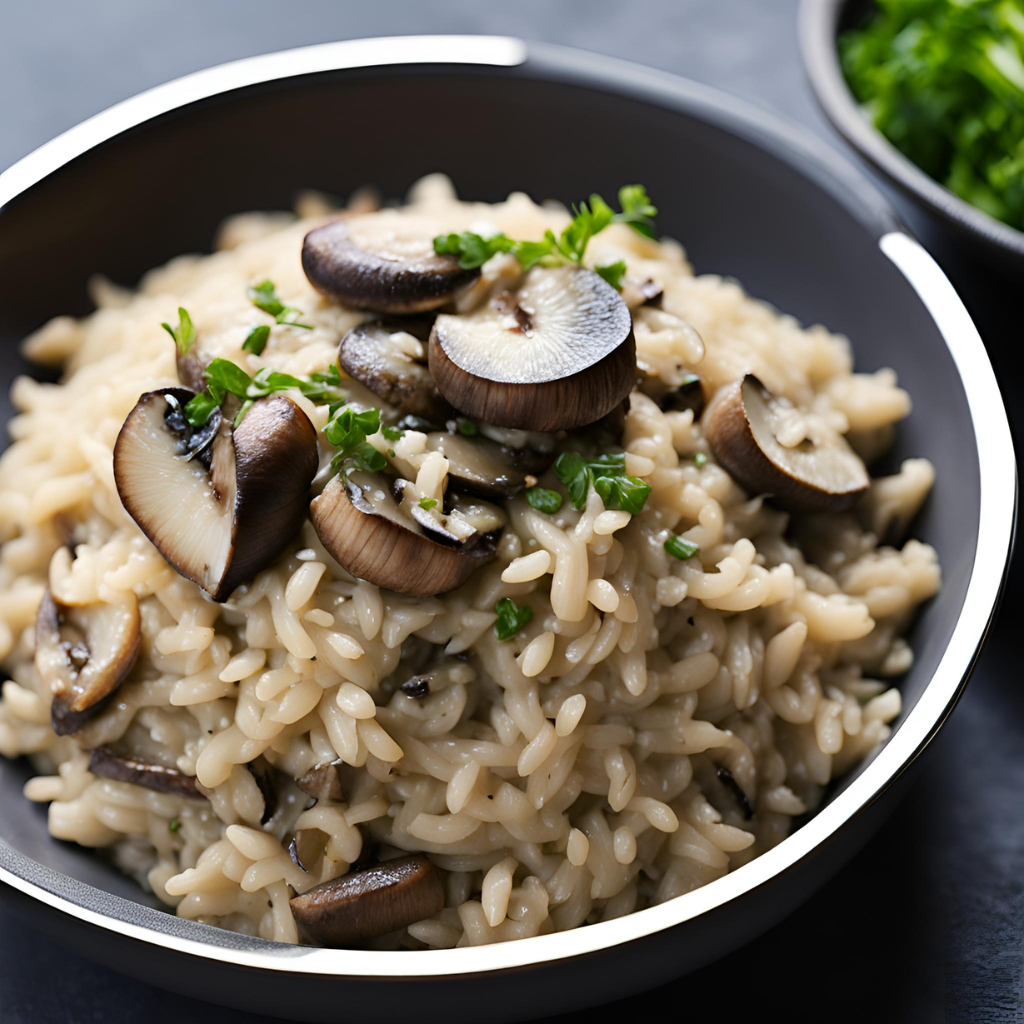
[{"x": 927, "y": 923}]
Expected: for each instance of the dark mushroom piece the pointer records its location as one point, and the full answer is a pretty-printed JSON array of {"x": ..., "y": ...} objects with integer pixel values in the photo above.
[
  {"x": 557, "y": 354},
  {"x": 361, "y": 524},
  {"x": 105, "y": 764},
  {"x": 478, "y": 465},
  {"x": 374, "y": 355},
  {"x": 306, "y": 848},
  {"x": 363, "y": 905},
  {"x": 736, "y": 791},
  {"x": 687, "y": 394},
  {"x": 323, "y": 782},
  {"x": 219, "y": 504},
  {"x": 741, "y": 427},
  {"x": 384, "y": 262},
  {"x": 83, "y": 654}
]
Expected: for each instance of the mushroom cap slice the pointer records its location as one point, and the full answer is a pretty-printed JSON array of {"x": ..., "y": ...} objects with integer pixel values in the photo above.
[
  {"x": 221, "y": 510},
  {"x": 389, "y": 358},
  {"x": 105, "y": 764},
  {"x": 361, "y": 524},
  {"x": 557, "y": 354},
  {"x": 83, "y": 654},
  {"x": 364, "y": 904},
  {"x": 478, "y": 465},
  {"x": 741, "y": 426},
  {"x": 323, "y": 782},
  {"x": 384, "y": 262}
]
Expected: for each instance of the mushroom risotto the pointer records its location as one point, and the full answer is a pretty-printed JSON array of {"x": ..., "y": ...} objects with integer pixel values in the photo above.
[{"x": 453, "y": 573}]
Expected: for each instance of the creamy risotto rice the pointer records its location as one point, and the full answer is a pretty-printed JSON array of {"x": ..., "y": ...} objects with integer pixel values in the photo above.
[{"x": 657, "y": 719}]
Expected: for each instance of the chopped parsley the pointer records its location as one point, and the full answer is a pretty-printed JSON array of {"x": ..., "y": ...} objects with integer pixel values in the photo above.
[
  {"x": 699, "y": 459},
  {"x": 511, "y": 618},
  {"x": 185, "y": 333},
  {"x": 392, "y": 433},
  {"x": 427, "y": 503},
  {"x": 173, "y": 825},
  {"x": 347, "y": 430},
  {"x": 256, "y": 340},
  {"x": 544, "y": 500},
  {"x": 588, "y": 219},
  {"x": 679, "y": 548},
  {"x": 226, "y": 378},
  {"x": 608, "y": 475},
  {"x": 466, "y": 427},
  {"x": 613, "y": 273},
  {"x": 264, "y": 296}
]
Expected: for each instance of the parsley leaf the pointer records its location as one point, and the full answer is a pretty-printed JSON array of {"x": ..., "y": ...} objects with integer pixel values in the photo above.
[
  {"x": 348, "y": 428},
  {"x": 368, "y": 458},
  {"x": 511, "y": 618},
  {"x": 613, "y": 273},
  {"x": 229, "y": 377},
  {"x": 199, "y": 409},
  {"x": 544, "y": 500},
  {"x": 637, "y": 210},
  {"x": 588, "y": 219},
  {"x": 699, "y": 459},
  {"x": 679, "y": 548},
  {"x": 392, "y": 433},
  {"x": 608, "y": 475},
  {"x": 466, "y": 427},
  {"x": 256, "y": 340},
  {"x": 264, "y": 296},
  {"x": 427, "y": 503},
  {"x": 185, "y": 333},
  {"x": 173, "y": 825}
]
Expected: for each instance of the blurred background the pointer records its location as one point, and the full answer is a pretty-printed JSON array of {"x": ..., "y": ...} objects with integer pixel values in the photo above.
[{"x": 931, "y": 914}]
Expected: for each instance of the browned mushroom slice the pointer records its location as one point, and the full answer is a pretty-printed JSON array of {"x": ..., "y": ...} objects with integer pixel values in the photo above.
[
  {"x": 390, "y": 358},
  {"x": 363, "y": 905},
  {"x": 557, "y": 354},
  {"x": 306, "y": 848},
  {"x": 742, "y": 426},
  {"x": 105, "y": 764},
  {"x": 478, "y": 465},
  {"x": 218, "y": 504},
  {"x": 361, "y": 524},
  {"x": 323, "y": 782},
  {"x": 83, "y": 654},
  {"x": 384, "y": 262},
  {"x": 687, "y": 394}
]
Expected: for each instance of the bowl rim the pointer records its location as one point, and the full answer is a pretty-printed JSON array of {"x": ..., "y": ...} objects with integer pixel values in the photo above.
[
  {"x": 814, "y": 160},
  {"x": 818, "y": 24}
]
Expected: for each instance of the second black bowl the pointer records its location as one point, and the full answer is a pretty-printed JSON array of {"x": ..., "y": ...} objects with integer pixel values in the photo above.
[{"x": 949, "y": 225}]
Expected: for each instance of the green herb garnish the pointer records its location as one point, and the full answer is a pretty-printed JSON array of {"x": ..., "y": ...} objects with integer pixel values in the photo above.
[
  {"x": 264, "y": 296},
  {"x": 427, "y": 503},
  {"x": 613, "y": 273},
  {"x": 392, "y": 433},
  {"x": 588, "y": 219},
  {"x": 608, "y": 474},
  {"x": 173, "y": 825},
  {"x": 466, "y": 427},
  {"x": 679, "y": 548},
  {"x": 347, "y": 430},
  {"x": 256, "y": 340},
  {"x": 184, "y": 334},
  {"x": 226, "y": 378},
  {"x": 699, "y": 459},
  {"x": 943, "y": 80},
  {"x": 511, "y": 618},
  {"x": 544, "y": 500}
]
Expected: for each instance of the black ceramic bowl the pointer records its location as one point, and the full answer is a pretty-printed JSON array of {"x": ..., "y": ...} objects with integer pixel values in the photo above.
[
  {"x": 751, "y": 197},
  {"x": 949, "y": 224}
]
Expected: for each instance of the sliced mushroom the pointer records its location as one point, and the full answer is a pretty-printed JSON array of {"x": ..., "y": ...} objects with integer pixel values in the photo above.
[
  {"x": 323, "y": 782},
  {"x": 83, "y": 654},
  {"x": 742, "y": 425},
  {"x": 479, "y": 465},
  {"x": 105, "y": 764},
  {"x": 687, "y": 394},
  {"x": 389, "y": 357},
  {"x": 362, "y": 905},
  {"x": 557, "y": 354},
  {"x": 361, "y": 524},
  {"x": 218, "y": 504},
  {"x": 384, "y": 262},
  {"x": 306, "y": 848}
]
